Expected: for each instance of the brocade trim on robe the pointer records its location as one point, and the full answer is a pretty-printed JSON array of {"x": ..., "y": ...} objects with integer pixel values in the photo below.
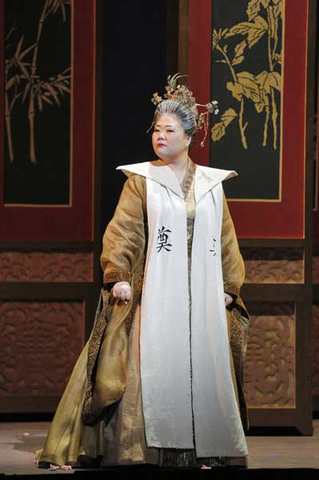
[
  {"x": 100, "y": 324},
  {"x": 112, "y": 274},
  {"x": 89, "y": 416}
]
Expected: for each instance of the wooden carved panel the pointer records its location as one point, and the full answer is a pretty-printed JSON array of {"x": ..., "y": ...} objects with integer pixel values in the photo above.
[
  {"x": 315, "y": 348},
  {"x": 270, "y": 265},
  {"x": 270, "y": 363},
  {"x": 35, "y": 266},
  {"x": 39, "y": 344}
]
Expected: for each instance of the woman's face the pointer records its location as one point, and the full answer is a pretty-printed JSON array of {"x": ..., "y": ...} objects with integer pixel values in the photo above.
[{"x": 169, "y": 139}]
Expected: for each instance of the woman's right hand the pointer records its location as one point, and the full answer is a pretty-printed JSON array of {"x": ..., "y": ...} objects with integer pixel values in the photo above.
[{"x": 122, "y": 291}]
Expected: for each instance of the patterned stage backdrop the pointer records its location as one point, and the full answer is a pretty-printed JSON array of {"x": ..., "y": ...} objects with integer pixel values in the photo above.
[
  {"x": 47, "y": 126},
  {"x": 247, "y": 57},
  {"x": 48, "y": 217},
  {"x": 37, "y": 102},
  {"x": 251, "y": 56}
]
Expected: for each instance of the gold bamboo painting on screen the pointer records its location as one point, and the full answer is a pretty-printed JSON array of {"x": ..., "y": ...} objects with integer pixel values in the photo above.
[
  {"x": 24, "y": 84},
  {"x": 262, "y": 89}
]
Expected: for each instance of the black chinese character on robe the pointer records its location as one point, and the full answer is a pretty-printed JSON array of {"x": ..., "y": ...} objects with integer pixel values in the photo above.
[
  {"x": 162, "y": 239},
  {"x": 214, "y": 247}
]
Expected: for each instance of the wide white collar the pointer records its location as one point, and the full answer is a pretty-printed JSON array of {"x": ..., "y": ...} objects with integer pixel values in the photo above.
[{"x": 206, "y": 178}]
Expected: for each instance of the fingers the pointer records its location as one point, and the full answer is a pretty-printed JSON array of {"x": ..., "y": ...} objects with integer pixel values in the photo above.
[
  {"x": 125, "y": 294},
  {"x": 122, "y": 291}
]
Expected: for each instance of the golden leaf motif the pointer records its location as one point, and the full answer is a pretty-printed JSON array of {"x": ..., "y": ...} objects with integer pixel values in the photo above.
[
  {"x": 23, "y": 68},
  {"x": 272, "y": 22},
  {"x": 218, "y": 36},
  {"x": 238, "y": 60},
  {"x": 236, "y": 89},
  {"x": 63, "y": 88},
  {"x": 249, "y": 85},
  {"x": 219, "y": 129},
  {"x": 229, "y": 116},
  {"x": 10, "y": 83},
  {"x": 40, "y": 104},
  {"x": 269, "y": 80},
  {"x": 264, "y": 101},
  {"x": 239, "y": 50},
  {"x": 50, "y": 89},
  {"x": 253, "y": 9},
  {"x": 254, "y": 30},
  {"x": 247, "y": 88},
  {"x": 23, "y": 54},
  {"x": 215, "y": 38},
  {"x": 27, "y": 83},
  {"x": 25, "y": 93},
  {"x": 46, "y": 99},
  {"x": 17, "y": 54},
  {"x": 278, "y": 10}
]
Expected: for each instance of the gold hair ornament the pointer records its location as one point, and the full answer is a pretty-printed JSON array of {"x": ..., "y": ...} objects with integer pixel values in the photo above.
[{"x": 182, "y": 94}]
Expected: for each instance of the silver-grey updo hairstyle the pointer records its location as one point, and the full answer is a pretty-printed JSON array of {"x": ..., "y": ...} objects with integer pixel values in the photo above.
[
  {"x": 180, "y": 101},
  {"x": 187, "y": 117}
]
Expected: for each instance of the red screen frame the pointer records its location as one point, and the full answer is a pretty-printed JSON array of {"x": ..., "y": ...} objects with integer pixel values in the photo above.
[
  {"x": 74, "y": 222},
  {"x": 285, "y": 219}
]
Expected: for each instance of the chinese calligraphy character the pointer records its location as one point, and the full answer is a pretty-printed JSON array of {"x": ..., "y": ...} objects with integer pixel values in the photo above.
[
  {"x": 162, "y": 239},
  {"x": 214, "y": 247}
]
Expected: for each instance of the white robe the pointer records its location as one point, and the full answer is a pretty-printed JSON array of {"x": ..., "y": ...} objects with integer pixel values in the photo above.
[{"x": 189, "y": 399}]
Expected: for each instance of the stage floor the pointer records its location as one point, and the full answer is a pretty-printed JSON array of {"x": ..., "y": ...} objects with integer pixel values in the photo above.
[{"x": 18, "y": 442}]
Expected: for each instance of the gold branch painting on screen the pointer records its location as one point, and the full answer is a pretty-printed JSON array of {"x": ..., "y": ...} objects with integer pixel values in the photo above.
[
  {"x": 23, "y": 82},
  {"x": 236, "y": 46}
]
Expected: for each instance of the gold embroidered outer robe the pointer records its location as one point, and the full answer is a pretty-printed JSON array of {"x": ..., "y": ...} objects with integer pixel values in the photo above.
[{"x": 123, "y": 256}]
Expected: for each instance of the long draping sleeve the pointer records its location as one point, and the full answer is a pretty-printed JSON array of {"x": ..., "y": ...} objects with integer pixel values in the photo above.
[
  {"x": 232, "y": 261},
  {"x": 124, "y": 237}
]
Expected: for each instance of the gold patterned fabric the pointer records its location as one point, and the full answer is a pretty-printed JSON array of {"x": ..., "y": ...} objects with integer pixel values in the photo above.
[{"x": 111, "y": 377}]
